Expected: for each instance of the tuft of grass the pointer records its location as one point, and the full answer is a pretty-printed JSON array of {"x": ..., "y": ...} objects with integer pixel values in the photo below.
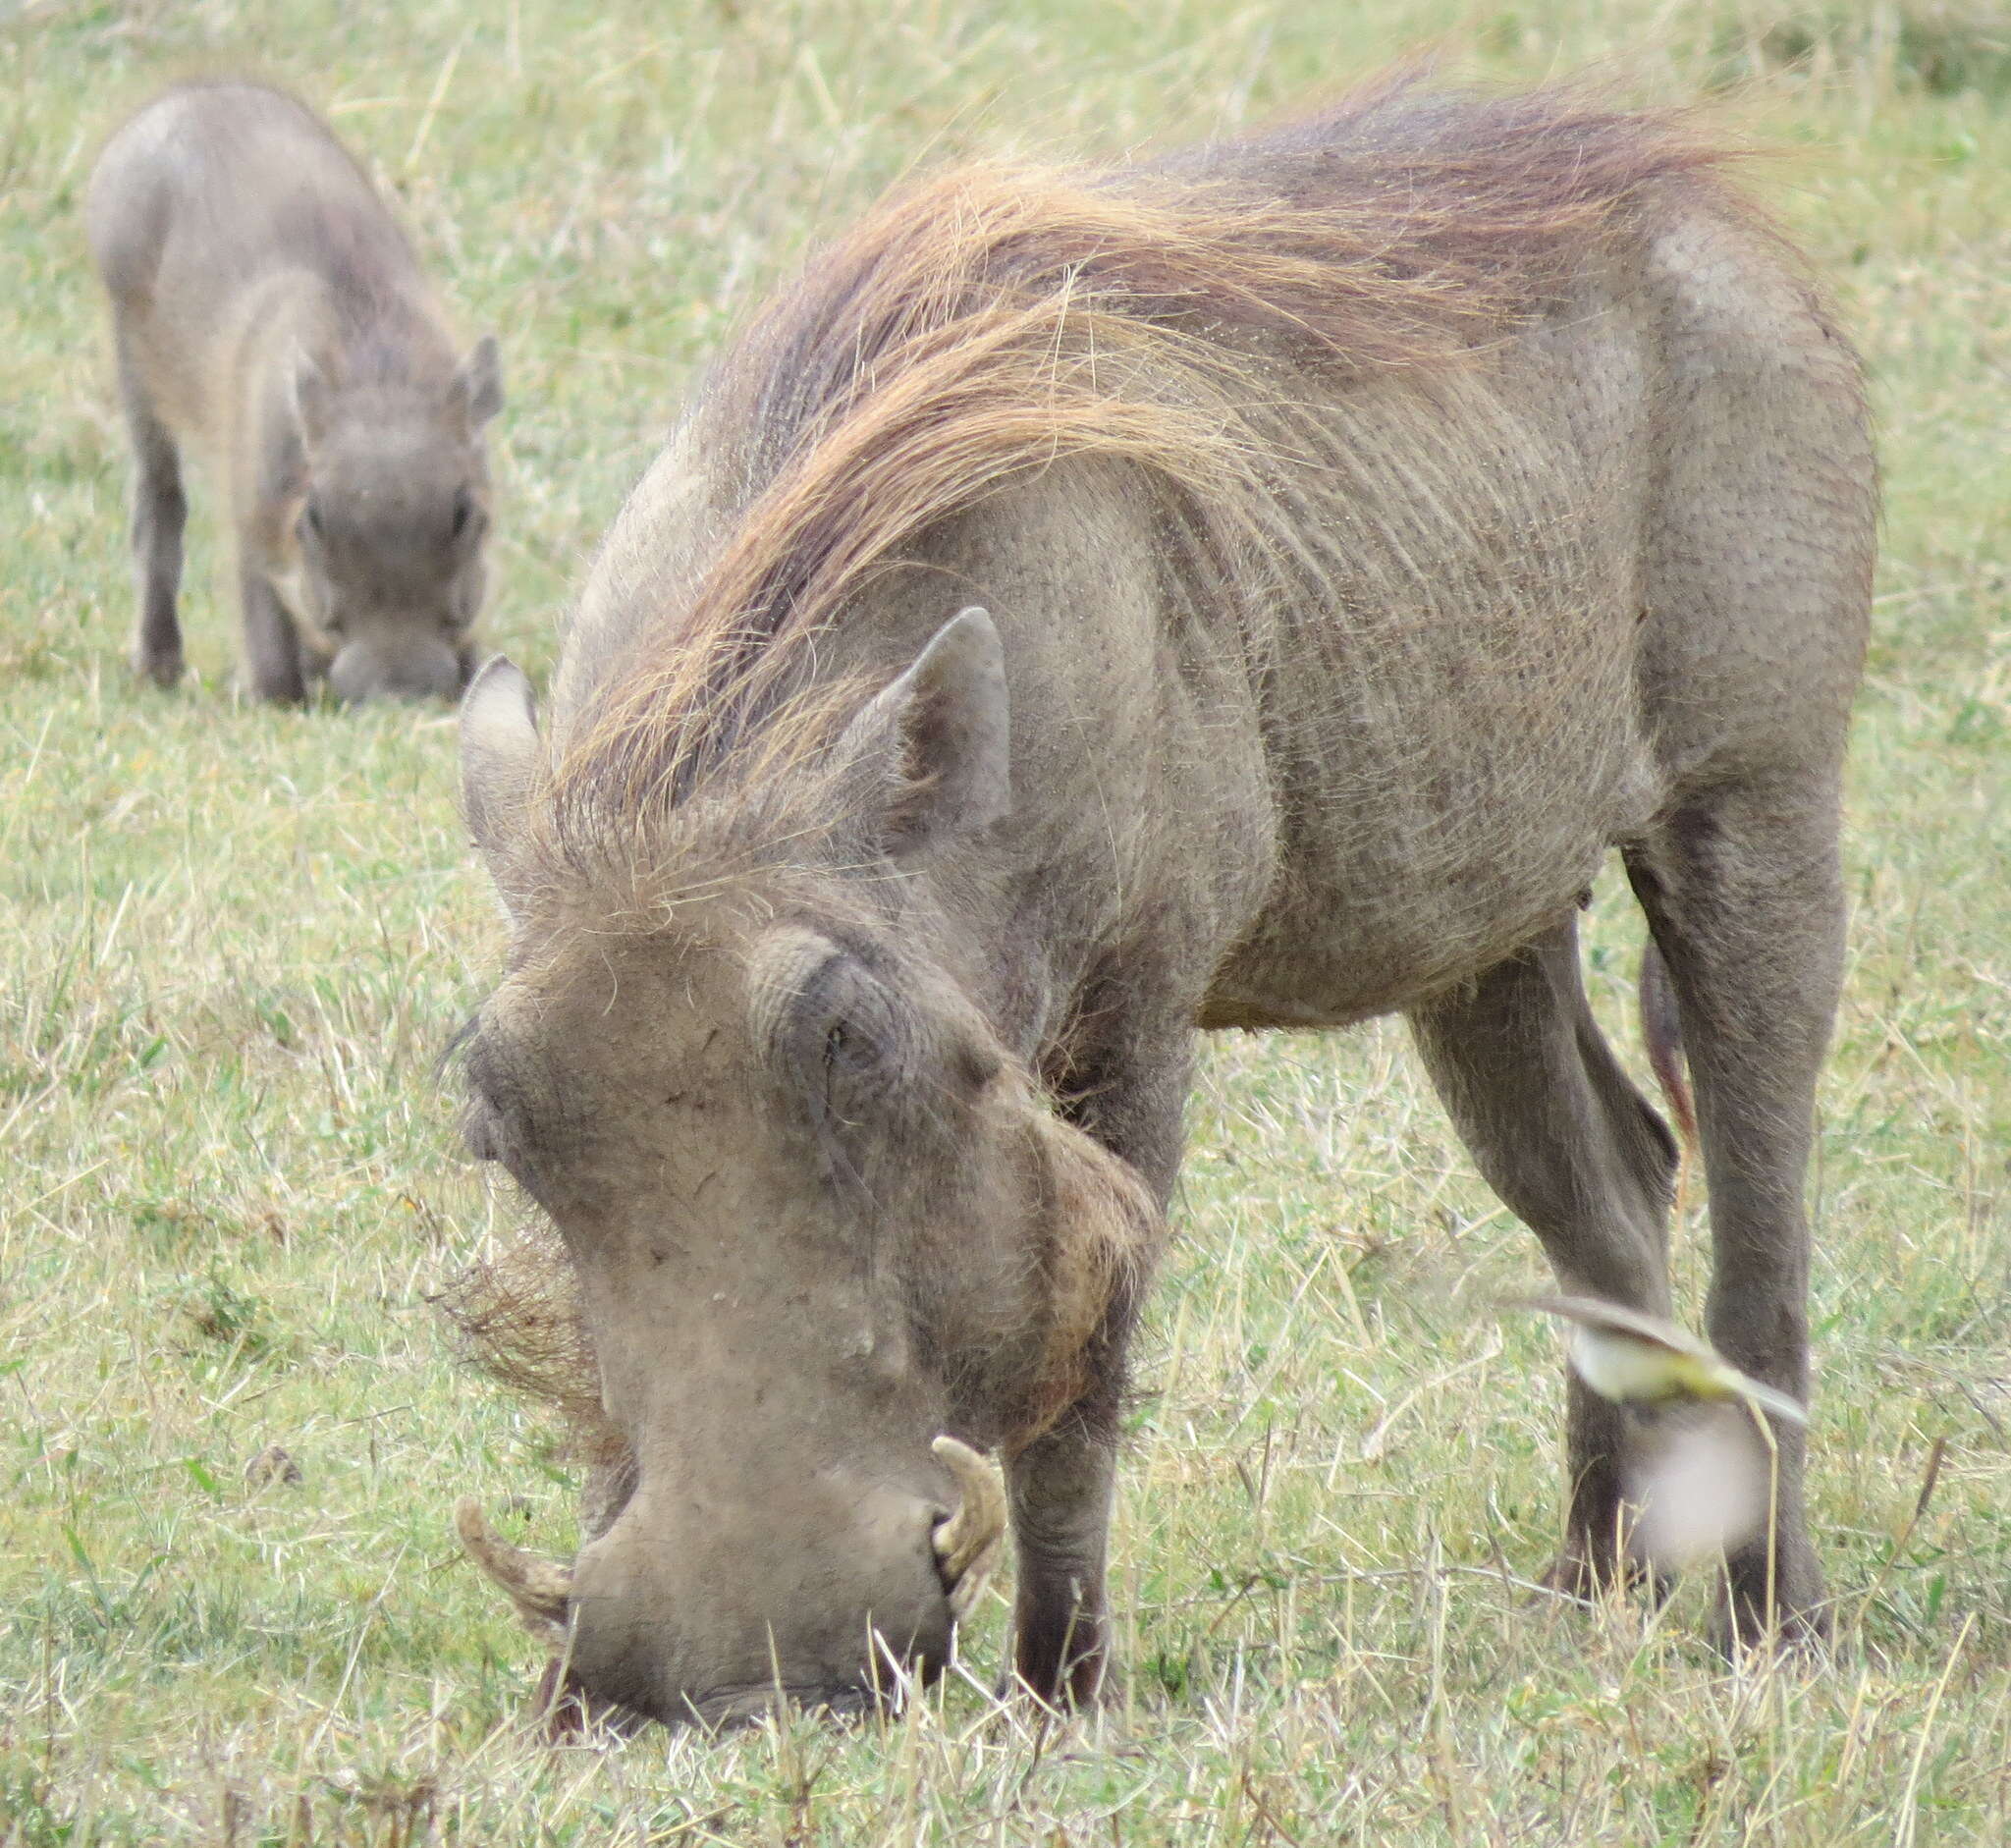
[{"x": 232, "y": 943}]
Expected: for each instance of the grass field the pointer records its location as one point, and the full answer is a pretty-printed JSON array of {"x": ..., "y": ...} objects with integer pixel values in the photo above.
[{"x": 232, "y": 943}]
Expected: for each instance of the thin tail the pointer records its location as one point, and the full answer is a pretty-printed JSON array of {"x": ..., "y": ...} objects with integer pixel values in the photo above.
[{"x": 1662, "y": 1029}]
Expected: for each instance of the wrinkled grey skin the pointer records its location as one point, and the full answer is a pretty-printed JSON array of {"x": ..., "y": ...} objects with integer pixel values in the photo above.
[
  {"x": 1618, "y": 602},
  {"x": 267, "y": 312}
]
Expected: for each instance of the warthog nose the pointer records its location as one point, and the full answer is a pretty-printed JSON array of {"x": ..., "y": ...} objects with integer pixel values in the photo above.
[
  {"x": 567, "y": 1707},
  {"x": 421, "y": 667},
  {"x": 741, "y": 1707},
  {"x": 833, "y": 1597}
]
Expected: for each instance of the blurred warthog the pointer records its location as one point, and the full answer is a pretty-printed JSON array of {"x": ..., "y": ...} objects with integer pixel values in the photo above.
[
  {"x": 268, "y": 309},
  {"x": 1255, "y": 590}
]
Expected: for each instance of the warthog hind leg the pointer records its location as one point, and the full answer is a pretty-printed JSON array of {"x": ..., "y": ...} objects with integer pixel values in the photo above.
[
  {"x": 1747, "y": 905},
  {"x": 1579, "y": 1155}
]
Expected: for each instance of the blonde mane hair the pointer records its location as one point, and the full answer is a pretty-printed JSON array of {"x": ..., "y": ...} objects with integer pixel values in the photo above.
[{"x": 979, "y": 327}]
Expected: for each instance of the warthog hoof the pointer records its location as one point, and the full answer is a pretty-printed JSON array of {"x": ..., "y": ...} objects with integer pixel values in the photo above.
[
  {"x": 163, "y": 668},
  {"x": 1794, "y": 1619},
  {"x": 1587, "y": 1575}
]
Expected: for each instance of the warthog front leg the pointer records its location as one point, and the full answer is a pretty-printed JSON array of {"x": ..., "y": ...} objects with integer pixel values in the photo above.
[
  {"x": 1128, "y": 1074},
  {"x": 1578, "y": 1154},
  {"x": 1747, "y": 904},
  {"x": 272, "y": 651},
  {"x": 1061, "y": 1495},
  {"x": 159, "y": 513}
]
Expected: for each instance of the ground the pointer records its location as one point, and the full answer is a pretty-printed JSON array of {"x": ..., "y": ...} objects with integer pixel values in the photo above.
[{"x": 232, "y": 943}]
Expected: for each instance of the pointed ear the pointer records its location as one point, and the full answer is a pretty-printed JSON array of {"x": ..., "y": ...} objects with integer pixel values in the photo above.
[
  {"x": 499, "y": 752},
  {"x": 477, "y": 387},
  {"x": 308, "y": 389},
  {"x": 938, "y": 740}
]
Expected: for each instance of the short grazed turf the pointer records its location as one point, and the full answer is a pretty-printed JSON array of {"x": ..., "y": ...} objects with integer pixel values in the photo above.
[{"x": 232, "y": 943}]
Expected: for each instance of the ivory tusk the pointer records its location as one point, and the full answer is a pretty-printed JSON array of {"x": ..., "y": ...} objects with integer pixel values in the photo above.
[
  {"x": 968, "y": 1542},
  {"x": 540, "y": 1590}
]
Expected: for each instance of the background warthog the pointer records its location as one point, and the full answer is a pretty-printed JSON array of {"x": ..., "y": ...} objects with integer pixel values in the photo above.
[
  {"x": 265, "y": 307},
  {"x": 1372, "y": 526}
]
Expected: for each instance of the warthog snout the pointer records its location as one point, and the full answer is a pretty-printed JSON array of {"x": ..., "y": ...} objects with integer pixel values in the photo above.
[
  {"x": 830, "y": 1597},
  {"x": 408, "y": 667}
]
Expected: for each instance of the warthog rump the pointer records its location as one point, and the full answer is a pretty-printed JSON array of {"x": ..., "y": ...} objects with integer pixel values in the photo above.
[
  {"x": 266, "y": 308},
  {"x": 1256, "y": 590}
]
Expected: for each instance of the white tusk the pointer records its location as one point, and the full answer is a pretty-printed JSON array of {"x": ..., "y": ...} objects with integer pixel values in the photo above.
[
  {"x": 540, "y": 1590},
  {"x": 968, "y": 1542}
]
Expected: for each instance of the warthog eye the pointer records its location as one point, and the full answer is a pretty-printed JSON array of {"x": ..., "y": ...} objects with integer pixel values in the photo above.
[
  {"x": 310, "y": 517},
  {"x": 846, "y": 1048},
  {"x": 463, "y": 511},
  {"x": 492, "y": 1127},
  {"x": 838, "y": 1029},
  {"x": 480, "y": 1129}
]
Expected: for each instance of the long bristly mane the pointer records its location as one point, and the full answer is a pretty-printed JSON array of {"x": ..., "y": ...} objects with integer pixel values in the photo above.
[{"x": 979, "y": 327}]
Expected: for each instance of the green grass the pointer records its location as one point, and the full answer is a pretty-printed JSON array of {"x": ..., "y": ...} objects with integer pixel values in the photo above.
[{"x": 233, "y": 942}]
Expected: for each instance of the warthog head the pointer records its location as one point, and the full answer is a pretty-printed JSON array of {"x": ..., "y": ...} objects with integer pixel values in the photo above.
[
  {"x": 827, "y": 1235},
  {"x": 390, "y": 526}
]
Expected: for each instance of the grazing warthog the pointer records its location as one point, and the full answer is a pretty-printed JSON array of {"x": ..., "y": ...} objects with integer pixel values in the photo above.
[
  {"x": 266, "y": 308},
  {"x": 1254, "y": 590}
]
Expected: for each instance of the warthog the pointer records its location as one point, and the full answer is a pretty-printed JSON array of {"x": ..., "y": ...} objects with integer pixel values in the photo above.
[
  {"x": 1253, "y": 590},
  {"x": 266, "y": 308}
]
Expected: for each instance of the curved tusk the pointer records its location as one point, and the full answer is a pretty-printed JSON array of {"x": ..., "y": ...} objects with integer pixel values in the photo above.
[
  {"x": 968, "y": 1542},
  {"x": 540, "y": 1590}
]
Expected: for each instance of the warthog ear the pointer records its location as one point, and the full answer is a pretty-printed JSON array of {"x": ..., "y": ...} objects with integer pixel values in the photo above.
[
  {"x": 938, "y": 740},
  {"x": 477, "y": 388},
  {"x": 499, "y": 751}
]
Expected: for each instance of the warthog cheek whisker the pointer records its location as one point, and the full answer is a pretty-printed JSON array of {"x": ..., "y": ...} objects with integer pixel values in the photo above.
[{"x": 968, "y": 1542}]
